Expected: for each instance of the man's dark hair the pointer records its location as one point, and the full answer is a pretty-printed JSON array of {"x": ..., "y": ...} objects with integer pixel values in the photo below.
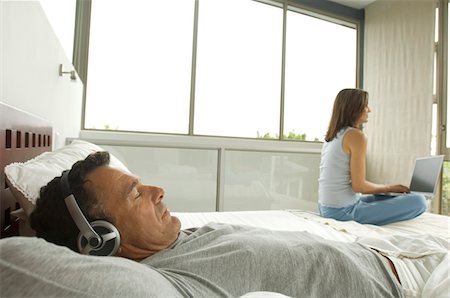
[{"x": 51, "y": 219}]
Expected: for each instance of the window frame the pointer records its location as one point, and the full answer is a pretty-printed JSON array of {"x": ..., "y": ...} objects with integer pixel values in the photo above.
[
  {"x": 442, "y": 78},
  {"x": 441, "y": 100},
  {"x": 328, "y": 11}
]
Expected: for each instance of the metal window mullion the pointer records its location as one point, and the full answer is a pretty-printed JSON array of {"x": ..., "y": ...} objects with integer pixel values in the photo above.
[
  {"x": 193, "y": 71},
  {"x": 443, "y": 119},
  {"x": 81, "y": 46},
  {"x": 220, "y": 188},
  {"x": 360, "y": 55},
  {"x": 283, "y": 73},
  {"x": 441, "y": 98},
  {"x": 441, "y": 89}
]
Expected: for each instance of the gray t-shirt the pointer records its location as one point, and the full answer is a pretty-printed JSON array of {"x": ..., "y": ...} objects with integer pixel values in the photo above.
[{"x": 220, "y": 260}]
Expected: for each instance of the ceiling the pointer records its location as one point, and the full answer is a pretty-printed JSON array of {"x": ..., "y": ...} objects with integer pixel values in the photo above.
[{"x": 358, "y": 4}]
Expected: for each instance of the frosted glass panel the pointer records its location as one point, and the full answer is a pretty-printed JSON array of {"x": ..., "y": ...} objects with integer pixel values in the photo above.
[
  {"x": 189, "y": 176},
  {"x": 270, "y": 180}
]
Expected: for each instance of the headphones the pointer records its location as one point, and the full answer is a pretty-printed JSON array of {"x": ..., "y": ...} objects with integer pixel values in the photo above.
[{"x": 98, "y": 238}]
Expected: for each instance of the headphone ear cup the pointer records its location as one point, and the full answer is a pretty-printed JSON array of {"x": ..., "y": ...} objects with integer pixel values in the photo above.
[{"x": 110, "y": 240}]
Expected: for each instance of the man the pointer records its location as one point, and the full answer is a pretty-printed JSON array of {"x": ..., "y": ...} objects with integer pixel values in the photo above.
[{"x": 216, "y": 259}]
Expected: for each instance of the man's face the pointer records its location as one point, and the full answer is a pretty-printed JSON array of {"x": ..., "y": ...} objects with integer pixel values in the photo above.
[{"x": 137, "y": 211}]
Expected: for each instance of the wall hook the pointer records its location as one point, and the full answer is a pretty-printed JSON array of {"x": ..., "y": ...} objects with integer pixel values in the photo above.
[{"x": 73, "y": 76}]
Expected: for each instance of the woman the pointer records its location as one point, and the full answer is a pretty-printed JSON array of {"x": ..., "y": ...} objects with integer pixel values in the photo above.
[{"x": 343, "y": 171}]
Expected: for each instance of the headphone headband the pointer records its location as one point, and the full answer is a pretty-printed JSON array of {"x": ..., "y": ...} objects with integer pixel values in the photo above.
[{"x": 65, "y": 185}]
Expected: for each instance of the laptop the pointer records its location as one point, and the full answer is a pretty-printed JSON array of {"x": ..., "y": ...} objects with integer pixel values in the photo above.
[{"x": 425, "y": 176}]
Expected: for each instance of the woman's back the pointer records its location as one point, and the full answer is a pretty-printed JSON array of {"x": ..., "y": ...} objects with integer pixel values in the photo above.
[{"x": 335, "y": 189}]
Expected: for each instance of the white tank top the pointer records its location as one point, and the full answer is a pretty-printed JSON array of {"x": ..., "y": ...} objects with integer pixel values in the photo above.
[{"x": 335, "y": 188}]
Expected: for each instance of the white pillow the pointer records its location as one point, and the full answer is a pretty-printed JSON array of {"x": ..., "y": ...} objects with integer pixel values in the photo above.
[{"x": 27, "y": 178}]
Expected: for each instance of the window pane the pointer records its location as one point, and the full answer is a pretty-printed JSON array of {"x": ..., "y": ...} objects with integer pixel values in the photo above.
[
  {"x": 268, "y": 180},
  {"x": 448, "y": 85},
  {"x": 140, "y": 65},
  {"x": 446, "y": 189},
  {"x": 61, "y": 16},
  {"x": 238, "y": 68},
  {"x": 320, "y": 61}
]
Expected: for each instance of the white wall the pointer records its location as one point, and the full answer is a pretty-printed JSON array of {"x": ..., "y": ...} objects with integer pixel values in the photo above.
[
  {"x": 29, "y": 71},
  {"x": 398, "y": 74}
]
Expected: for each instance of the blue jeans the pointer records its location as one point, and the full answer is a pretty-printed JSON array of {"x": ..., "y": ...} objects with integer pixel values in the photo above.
[{"x": 379, "y": 209}]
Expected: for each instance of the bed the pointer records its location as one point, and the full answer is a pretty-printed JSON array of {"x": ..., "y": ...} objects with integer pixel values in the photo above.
[{"x": 33, "y": 267}]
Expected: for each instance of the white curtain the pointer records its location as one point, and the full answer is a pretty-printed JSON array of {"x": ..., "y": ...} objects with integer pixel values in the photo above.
[{"x": 398, "y": 74}]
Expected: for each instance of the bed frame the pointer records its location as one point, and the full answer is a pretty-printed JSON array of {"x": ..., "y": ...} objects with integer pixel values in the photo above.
[{"x": 22, "y": 137}]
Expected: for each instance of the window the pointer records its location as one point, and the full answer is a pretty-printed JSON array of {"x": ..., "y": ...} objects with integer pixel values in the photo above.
[
  {"x": 447, "y": 84},
  {"x": 445, "y": 203},
  {"x": 446, "y": 189},
  {"x": 238, "y": 68},
  {"x": 443, "y": 107},
  {"x": 232, "y": 68},
  {"x": 139, "y": 71},
  {"x": 317, "y": 68}
]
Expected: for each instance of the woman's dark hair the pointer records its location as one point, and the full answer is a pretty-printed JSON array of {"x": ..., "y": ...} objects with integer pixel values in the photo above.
[
  {"x": 348, "y": 107},
  {"x": 51, "y": 220}
]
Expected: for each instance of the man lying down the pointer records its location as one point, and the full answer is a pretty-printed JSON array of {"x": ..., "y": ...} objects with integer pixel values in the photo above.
[{"x": 216, "y": 260}]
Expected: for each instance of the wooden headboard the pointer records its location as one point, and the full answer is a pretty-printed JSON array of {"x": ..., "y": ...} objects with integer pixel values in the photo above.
[{"x": 22, "y": 137}]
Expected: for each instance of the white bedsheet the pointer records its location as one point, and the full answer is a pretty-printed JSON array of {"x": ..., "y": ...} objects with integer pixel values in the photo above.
[
  {"x": 419, "y": 247},
  {"x": 427, "y": 224},
  {"x": 269, "y": 219},
  {"x": 416, "y": 260}
]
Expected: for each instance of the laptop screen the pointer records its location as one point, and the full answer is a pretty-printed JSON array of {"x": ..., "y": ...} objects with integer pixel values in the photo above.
[{"x": 426, "y": 173}]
